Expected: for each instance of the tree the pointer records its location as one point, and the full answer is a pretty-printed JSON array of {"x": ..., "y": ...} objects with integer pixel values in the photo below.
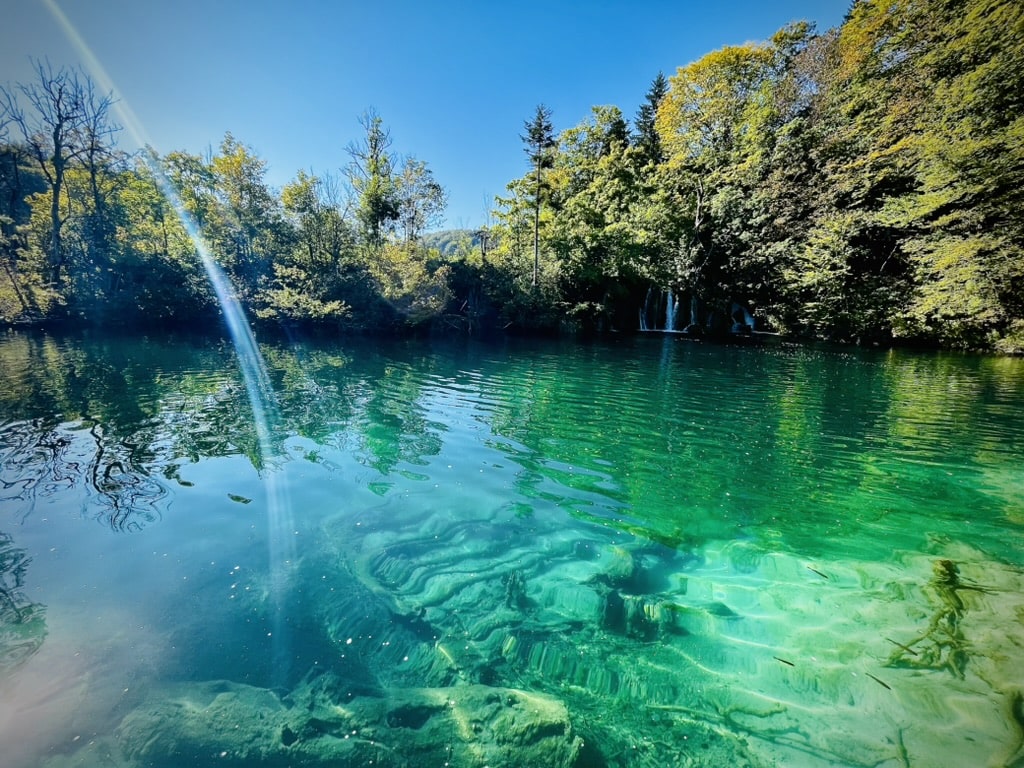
[
  {"x": 961, "y": 221},
  {"x": 159, "y": 277},
  {"x": 704, "y": 125},
  {"x": 421, "y": 199},
  {"x": 526, "y": 295},
  {"x": 100, "y": 159},
  {"x": 13, "y": 212},
  {"x": 311, "y": 280},
  {"x": 540, "y": 141},
  {"x": 647, "y": 139},
  {"x": 313, "y": 207},
  {"x": 248, "y": 228},
  {"x": 371, "y": 174},
  {"x": 731, "y": 132},
  {"x": 594, "y": 184},
  {"x": 69, "y": 121},
  {"x": 195, "y": 183}
]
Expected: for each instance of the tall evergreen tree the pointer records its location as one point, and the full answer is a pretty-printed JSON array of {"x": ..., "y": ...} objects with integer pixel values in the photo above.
[
  {"x": 540, "y": 143},
  {"x": 647, "y": 139}
]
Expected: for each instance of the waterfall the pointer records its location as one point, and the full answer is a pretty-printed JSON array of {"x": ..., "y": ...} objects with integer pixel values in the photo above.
[
  {"x": 748, "y": 318},
  {"x": 650, "y": 313},
  {"x": 644, "y": 309},
  {"x": 742, "y": 320},
  {"x": 671, "y": 306}
]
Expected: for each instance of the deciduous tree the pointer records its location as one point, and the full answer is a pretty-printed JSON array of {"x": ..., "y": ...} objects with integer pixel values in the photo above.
[
  {"x": 371, "y": 173},
  {"x": 64, "y": 121}
]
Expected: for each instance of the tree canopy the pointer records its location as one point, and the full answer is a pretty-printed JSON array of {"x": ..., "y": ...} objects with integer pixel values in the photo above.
[{"x": 860, "y": 184}]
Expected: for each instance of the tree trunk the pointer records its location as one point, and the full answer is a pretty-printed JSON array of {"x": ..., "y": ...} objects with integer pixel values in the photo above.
[
  {"x": 536, "y": 230},
  {"x": 55, "y": 222}
]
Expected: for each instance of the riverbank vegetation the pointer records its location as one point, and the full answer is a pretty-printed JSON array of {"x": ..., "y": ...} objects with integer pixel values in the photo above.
[{"x": 857, "y": 184}]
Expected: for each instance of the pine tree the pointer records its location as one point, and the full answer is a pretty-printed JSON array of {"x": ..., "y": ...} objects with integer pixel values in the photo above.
[
  {"x": 540, "y": 141},
  {"x": 646, "y": 135}
]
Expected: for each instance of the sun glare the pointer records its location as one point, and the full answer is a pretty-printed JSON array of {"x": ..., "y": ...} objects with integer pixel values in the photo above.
[{"x": 253, "y": 368}]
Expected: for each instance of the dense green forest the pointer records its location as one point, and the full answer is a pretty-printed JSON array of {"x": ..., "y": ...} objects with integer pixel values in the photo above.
[{"x": 862, "y": 184}]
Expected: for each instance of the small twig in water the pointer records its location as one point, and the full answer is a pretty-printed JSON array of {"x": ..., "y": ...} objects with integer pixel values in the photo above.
[
  {"x": 880, "y": 682},
  {"x": 906, "y": 648}
]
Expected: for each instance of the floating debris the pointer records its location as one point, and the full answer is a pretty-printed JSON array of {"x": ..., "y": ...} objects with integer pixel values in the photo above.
[
  {"x": 880, "y": 682},
  {"x": 906, "y": 648}
]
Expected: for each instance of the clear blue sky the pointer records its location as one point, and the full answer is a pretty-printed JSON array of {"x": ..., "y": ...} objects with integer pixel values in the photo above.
[{"x": 453, "y": 81}]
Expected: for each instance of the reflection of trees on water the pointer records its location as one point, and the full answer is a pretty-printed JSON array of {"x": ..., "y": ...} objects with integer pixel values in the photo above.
[
  {"x": 22, "y": 622},
  {"x": 117, "y": 420},
  {"x": 394, "y": 426},
  {"x": 38, "y": 461},
  {"x": 121, "y": 419},
  {"x": 699, "y": 442}
]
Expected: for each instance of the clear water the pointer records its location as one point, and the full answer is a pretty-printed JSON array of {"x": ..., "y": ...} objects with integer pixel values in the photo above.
[{"x": 678, "y": 554}]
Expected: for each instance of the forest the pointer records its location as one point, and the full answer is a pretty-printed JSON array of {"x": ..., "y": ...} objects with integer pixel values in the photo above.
[{"x": 861, "y": 184}]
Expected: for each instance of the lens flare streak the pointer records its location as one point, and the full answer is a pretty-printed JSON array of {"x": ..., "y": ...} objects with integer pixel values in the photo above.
[{"x": 250, "y": 362}]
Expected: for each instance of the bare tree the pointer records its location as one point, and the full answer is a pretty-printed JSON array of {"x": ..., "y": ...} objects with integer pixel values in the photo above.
[
  {"x": 68, "y": 124},
  {"x": 98, "y": 155}
]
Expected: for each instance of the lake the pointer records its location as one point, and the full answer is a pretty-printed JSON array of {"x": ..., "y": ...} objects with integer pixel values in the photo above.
[{"x": 638, "y": 551}]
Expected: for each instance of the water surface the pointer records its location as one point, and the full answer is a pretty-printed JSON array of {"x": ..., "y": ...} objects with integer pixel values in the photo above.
[{"x": 678, "y": 554}]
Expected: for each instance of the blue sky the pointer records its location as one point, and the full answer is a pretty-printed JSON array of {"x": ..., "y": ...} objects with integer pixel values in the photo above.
[{"x": 453, "y": 81}]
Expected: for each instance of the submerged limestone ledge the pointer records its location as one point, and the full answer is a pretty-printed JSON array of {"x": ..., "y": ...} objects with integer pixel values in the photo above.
[{"x": 227, "y": 724}]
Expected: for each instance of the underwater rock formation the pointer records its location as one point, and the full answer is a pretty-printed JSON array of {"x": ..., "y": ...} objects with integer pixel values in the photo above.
[
  {"x": 483, "y": 638},
  {"x": 226, "y": 724}
]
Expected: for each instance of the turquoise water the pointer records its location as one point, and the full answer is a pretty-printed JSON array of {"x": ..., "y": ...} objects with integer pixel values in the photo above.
[{"x": 640, "y": 551}]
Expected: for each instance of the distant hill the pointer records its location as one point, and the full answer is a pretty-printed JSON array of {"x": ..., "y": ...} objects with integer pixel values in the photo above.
[{"x": 447, "y": 240}]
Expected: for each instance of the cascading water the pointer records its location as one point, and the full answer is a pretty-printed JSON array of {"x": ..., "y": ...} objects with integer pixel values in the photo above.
[
  {"x": 651, "y": 312},
  {"x": 644, "y": 310},
  {"x": 671, "y": 307},
  {"x": 743, "y": 321},
  {"x": 250, "y": 362}
]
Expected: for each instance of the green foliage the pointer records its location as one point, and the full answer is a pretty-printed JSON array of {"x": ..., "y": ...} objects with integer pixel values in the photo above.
[
  {"x": 246, "y": 225},
  {"x": 863, "y": 184},
  {"x": 412, "y": 282},
  {"x": 421, "y": 200},
  {"x": 647, "y": 139},
  {"x": 720, "y": 125},
  {"x": 298, "y": 295},
  {"x": 539, "y": 144},
  {"x": 371, "y": 174}
]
